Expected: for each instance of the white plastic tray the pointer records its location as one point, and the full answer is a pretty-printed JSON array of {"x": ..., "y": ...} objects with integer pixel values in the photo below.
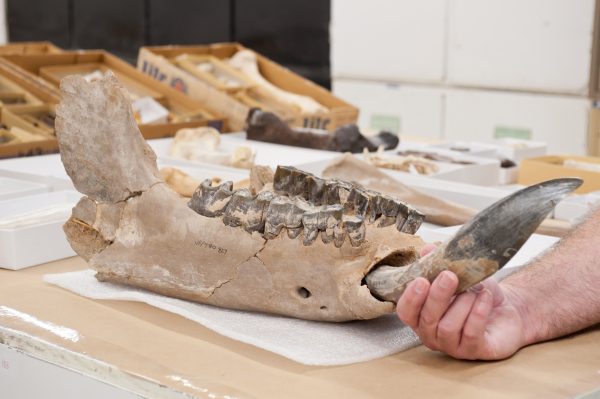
[
  {"x": 481, "y": 170},
  {"x": 14, "y": 188},
  {"x": 31, "y": 229}
]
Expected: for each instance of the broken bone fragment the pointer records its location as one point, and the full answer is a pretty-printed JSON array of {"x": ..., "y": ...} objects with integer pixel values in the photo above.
[
  {"x": 268, "y": 127},
  {"x": 225, "y": 247},
  {"x": 203, "y": 144},
  {"x": 405, "y": 163}
]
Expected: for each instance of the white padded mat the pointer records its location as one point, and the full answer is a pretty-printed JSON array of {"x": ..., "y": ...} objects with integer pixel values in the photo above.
[{"x": 307, "y": 342}]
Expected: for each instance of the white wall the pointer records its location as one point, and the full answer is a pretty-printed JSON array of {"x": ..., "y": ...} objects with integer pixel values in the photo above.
[
  {"x": 462, "y": 69},
  {"x": 3, "y": 27}
]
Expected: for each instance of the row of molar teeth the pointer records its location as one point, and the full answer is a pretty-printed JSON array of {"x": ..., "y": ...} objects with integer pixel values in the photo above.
[
  {"x": 269, "y": 214},
  {"x": 366, "y": 204}
]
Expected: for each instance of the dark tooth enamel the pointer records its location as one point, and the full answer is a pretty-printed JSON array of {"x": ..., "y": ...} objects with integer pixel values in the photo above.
[
  {"x": 237, "y": 208},
  {"x": 294, "y": 212},
  {"x": 299, "y": 184},
  {"x": 329, "y": 217},
  {"x": 358, "y": 202},
  {"x": 310, "y": 221},
  {"x": 339, "y": 234},
  {"x": 355, "y": 227},
  {"x": 389, "y": 210},
  {"x": 373, "y": 210},
  {"x": 282, "y": 181},
  {"x": 413, "y": 221},
  {"x": 316, "y": 190},
  {"x": 402, "y": 215},
  {"x": 255, "y": 217},
  {"x": 275, "y": 216},
  {"x": 336, "y": 192},
  {"x": 211, "y": 201}
]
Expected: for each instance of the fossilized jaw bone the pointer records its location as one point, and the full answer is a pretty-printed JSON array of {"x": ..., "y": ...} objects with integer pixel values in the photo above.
[
  {"x": 246, "y": 62},
  {"x": 155, "y": 241},
  {"x": 266, "y": 126}
]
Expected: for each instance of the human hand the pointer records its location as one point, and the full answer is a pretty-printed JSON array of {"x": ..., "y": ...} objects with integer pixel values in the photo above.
[{"x": 486, "y": 322}]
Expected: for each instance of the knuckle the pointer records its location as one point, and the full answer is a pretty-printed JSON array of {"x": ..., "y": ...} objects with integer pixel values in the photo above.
[
  {"x": 470, "y": 335},
  {"x": 427, "y": 319},
  {"x": 446, "y": 329}
]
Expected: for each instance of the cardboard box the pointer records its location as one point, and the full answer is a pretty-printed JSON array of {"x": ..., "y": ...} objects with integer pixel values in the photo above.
[
  {"x": 535, "y": 170},
  {"x": 43, "y": 47},
  {"x": 485, "y": 115},
  {"x": 388, "y": 40},
  {"x": 402, "y": 109},
  {"x": 157, "y": 62},
  {"x": 23, "y": 119},
  {"x": 594, "y": 131},
  {"x": 184, "y": 112},
  {"x": 533, "y": 45}
]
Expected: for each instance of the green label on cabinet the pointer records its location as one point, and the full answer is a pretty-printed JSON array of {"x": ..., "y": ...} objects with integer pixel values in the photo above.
[
  {"x": 391, "y": 123},
  {"x": 501, "y": 132}
]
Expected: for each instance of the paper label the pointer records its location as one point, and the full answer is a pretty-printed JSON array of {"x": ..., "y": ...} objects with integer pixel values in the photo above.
[
  {"x": 391, "y": 123},
  {"x": 501, "y": 132},
  {"x": 316, "y": 122}
]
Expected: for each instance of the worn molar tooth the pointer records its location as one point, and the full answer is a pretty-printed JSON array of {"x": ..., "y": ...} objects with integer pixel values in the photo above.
[
  {"x": 293, "y": 218},
  {"x": 355, "y": 227},
  {"x": 211, "y": 201},
  {"x": 276, "y": 215},
  {"x": 329, "y": 217},
  {"x": 299, "y": 183},
  {"x": 310, "y": 221},
  {"x": 237, "y": 208},
  {"x": 358, "y": 201},
  {"x": 402, "y": 216},
  {"x": 282, "y": 181},
  {"x": 389, "y": 210},
  {"x": 316, "y": 190},
  {"x": 339, "y": 234},
  {"x": 246, "y": 210},
  {"x": 255, "y": 216},
  {"x": 374, "y": 207},
  {"x": 337, "y": 192},
  {"x": 413, "y": 221}
]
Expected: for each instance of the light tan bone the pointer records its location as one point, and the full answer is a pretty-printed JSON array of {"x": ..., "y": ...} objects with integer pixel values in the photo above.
[
  {"x": 409, "y": 163},
  {"x": 246, "y": 62},
  {"x": 307, "y": 261},
  {"x": 202, "y": 144}
]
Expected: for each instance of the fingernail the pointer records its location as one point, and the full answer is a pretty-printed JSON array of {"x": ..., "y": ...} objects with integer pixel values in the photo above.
[
  {"x": 476, "y": 288},
  {"x": 419, "y": 286},
  {"x": 445, "y": 280}
]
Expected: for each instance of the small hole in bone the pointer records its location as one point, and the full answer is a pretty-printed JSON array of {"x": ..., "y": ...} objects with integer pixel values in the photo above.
[
  {"x": 323, "y": 308},
  {"x": 303, "y": 292}
]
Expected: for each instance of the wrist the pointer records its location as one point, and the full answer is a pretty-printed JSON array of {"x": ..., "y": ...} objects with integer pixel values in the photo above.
[{"x": 522, "y": 300}]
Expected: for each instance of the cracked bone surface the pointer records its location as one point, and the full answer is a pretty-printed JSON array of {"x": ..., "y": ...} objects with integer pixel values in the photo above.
[
  {"x": 245, "y": 61},
  {"x": 273, "y": 252}
]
